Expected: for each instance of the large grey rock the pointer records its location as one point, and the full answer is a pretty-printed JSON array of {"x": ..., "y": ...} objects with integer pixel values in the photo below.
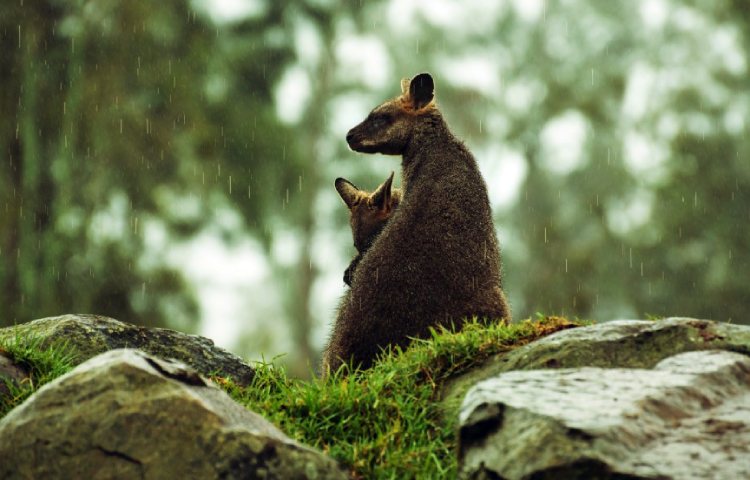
[
  {"x": 620, "y": 343},
  {"x": 689, "y": 417},
  {"x": 90, "y": 335},
  {"x": 125, "y": 414}
]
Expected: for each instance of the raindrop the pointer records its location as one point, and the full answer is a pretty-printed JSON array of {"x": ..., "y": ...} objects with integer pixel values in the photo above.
[
  {"x": 566, "y": 265},
  {"x": 545, "y": 234},
  {"x": 300, "y": 183},
  {"x": 230, "y": 184}
]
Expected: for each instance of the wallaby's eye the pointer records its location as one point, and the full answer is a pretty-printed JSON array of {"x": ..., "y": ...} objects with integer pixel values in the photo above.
[{"x": 380, "y": 120}]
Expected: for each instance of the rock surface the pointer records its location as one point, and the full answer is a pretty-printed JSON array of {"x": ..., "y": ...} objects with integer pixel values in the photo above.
[
  {"x": 125, "y": 414},
  {"x": 91, "y": 335},
  {"x": 620, "y": 343},
  {"x": 688, "y": 417}
]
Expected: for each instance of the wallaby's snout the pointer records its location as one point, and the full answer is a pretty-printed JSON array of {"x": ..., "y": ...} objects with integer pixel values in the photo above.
[{"x": 360, "y": 139}]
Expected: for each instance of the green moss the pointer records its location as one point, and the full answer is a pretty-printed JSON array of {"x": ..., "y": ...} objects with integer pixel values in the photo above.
[
  {"x": 386, "y": 422},
  {"x": 43, "y": 364}
]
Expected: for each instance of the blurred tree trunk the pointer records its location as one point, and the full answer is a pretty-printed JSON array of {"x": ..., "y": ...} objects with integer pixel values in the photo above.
[
  {"x": 313, "y": 123},
  {"x": 30, "y": 213},
  {"x": 10, "y": 173},
  {"x": 61, "y": 178}
]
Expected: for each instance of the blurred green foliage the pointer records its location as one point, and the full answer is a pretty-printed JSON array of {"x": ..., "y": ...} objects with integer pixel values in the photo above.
[
  {"x": 109, "y": 123},
  {"x": 119, "y": 117}
]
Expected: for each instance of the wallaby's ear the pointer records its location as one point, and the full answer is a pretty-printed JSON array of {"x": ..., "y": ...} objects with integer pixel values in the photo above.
[
  {"x": 381, "y": 198},
  {"x": 349, "y": 193},
  {"x": 421, "y": 90},
  {"x": 405, "y": 82}
]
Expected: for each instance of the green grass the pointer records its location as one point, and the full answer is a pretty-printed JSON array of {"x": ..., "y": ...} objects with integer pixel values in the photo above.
[
  {"x": 43, "y": 365},
  {"x": 386, "y": 422}
]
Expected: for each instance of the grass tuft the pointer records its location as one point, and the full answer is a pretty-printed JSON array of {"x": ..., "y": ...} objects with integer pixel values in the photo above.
[
  {"x": 42, "y": 363},
  {"x": 386, "y": 422}
]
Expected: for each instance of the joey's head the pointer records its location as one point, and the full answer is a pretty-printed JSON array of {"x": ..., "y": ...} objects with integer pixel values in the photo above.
[
  {"x": 389, "y": 127},
  {"x": 369, "y": 212}
]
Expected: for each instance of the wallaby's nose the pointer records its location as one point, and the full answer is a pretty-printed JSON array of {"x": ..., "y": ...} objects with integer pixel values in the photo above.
[{"x": 349, "y": 137}]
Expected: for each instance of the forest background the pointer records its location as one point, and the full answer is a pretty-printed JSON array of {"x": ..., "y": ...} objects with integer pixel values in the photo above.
[{"x": 172, "y": 163}]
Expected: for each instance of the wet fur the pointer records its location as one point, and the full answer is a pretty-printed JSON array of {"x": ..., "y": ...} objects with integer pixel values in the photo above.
[{"x": 437, "y": 261}]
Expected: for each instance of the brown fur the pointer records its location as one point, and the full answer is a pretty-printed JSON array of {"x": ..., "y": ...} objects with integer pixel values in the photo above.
[
  {"x": 368, "y": 214},
  {"x": 437, "y": 261}
]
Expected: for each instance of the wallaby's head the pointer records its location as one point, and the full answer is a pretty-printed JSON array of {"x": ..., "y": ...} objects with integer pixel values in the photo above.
[
  {"x": 369, "y": 212},
  {"x": 390, "y": 126}
]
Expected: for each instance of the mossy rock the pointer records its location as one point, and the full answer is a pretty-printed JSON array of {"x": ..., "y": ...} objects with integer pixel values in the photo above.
[
  {"x": 126, "y": 414},
  {"x": 615, "y": 344},
  {"x": 91, "y": 335}
]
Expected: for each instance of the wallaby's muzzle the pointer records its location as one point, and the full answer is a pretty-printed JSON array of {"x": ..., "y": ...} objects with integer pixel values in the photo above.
[{"x": 357, "y": 141}]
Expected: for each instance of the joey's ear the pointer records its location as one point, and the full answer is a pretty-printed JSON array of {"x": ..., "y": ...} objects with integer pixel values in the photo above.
[
  {"x": 381, "y": 198},
  {"x": 421, "y": 90},
  {"x": 405, "y": 85},
  {"x": 349, "y": 193}
]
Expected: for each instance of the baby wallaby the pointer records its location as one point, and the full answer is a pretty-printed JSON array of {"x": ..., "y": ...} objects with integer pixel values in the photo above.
[
  {"x": 437, "y": 260},
  {"x": 368, "y": 214}
]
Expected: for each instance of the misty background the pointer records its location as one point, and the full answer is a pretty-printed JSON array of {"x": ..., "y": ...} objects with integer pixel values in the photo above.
[{"x": 172, "y": 163}]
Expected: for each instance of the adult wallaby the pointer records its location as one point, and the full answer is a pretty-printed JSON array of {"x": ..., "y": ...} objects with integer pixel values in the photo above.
[
  {"x": 437, "y": 260},
  {"x": 368, "y": 214}
]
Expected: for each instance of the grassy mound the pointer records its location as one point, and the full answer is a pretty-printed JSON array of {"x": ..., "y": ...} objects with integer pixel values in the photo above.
[{"x": 386, "y": 422}]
